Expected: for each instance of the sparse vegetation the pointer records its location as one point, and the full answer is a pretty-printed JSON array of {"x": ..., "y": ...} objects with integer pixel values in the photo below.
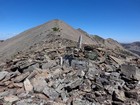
[{"x": 56, "y": 29}]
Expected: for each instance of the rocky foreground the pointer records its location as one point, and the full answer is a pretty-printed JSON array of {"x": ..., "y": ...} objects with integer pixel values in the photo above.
[{"x": 60, "y": 73}]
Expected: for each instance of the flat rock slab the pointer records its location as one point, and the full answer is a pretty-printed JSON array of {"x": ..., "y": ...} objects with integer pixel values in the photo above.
[
  {"x": 21, "y": 77},
  {"x": 51, "y": 93},
  {"x": 11, "y": 98},
  {"x": 28, "y": 86},
  {"x": 75, "y": 83},
  {"x": 117, "y": 60},
  {"x": 3, "y": 74}
]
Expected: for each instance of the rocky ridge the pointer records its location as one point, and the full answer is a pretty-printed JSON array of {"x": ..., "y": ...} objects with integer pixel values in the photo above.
[
  {"x": 59, "y": 71},
  {"x": 28, "y": 38}
]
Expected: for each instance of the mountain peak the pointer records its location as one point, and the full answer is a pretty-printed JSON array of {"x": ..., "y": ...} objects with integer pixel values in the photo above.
[{"x": 41, "y": 33}]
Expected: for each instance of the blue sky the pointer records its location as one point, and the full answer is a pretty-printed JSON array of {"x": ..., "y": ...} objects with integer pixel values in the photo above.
[{"x": 117, "y": 19}]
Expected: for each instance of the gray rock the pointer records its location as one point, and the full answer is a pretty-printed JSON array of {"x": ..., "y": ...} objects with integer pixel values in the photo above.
[
  {"x": 130, "y": 71},
  {"x": 39, "y": 84},
  {"x": 91, "y": 73},
  {"x": 25, "y": 66},
  {"x": 51, "y": 93},
  {"x": 137, "y": 76},
  {"x": 55, "y": 84},
  {"x": 102, "y": 81},
  {"x": 90, "y": 97},
  {"x": 48, "y": 65},
  {"x": 118, "y": 96},
  {"x": 75, "y": 83},
  {"x": 32, "y": 68},
  {"x": 3, "y": 94},
  {"x": 3, "y": 74},
  {"x": 97, "y": 87},
  {"x": 79, "y": 65},
  {"x": 21, "y": 77},
  {"x": 114, "y": 76},
  {"x": 109, "y": 89},
  {"x": 80, "y": 73},
  {"x": 26, "y": 102},
  {"x": 86, "y": 86},
  {"x": 57, "y": 103},
  {"x": 11, "y": 75},
  {"x": 60, "y": 87},
  {"x": 64, "y": 96},
  {"x": 79, "y": 101}
]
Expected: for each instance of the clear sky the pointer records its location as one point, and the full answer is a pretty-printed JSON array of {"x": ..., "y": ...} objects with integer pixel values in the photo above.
[{"x": 117, "y": 19}]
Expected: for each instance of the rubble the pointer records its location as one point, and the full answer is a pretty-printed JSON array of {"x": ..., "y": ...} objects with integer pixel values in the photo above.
[{"x": 68, "y": 75}]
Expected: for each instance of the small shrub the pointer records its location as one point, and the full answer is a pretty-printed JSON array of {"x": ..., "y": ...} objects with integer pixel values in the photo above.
[{"x": 56, "y": 29}]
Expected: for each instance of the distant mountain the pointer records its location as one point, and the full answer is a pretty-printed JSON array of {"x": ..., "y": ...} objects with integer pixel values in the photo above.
[
  {"x": 134, "y": 47},
  {"x": 107, "y": 43},
  {"x": 52, "y": 31}
]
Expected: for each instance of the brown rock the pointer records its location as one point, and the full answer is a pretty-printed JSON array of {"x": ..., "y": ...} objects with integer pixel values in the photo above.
[
  {"x": 20, "y": 90},
  {"x": 2, "y": 88},
  {"x": 11, "y": 98},
  {"x": 18, "y": 85},
  {"x": 117, "y": 60}
]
